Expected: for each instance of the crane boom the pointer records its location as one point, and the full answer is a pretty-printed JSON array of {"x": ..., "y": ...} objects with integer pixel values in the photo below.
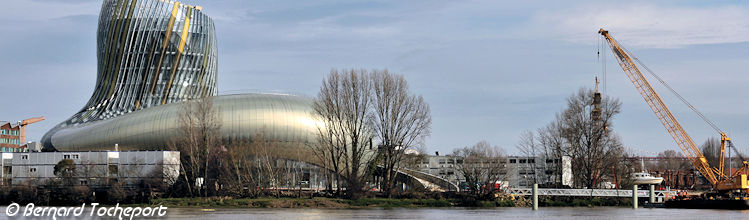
[
  {"x": 22, "y": 125},
  {"x": 32, "y": 120},
  {"x": 660, "y": 109}
]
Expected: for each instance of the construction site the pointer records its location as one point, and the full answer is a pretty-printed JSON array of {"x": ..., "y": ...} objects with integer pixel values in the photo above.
[
  {"x": 13, "y": 135},
  {"x": 725, "y": 185}
]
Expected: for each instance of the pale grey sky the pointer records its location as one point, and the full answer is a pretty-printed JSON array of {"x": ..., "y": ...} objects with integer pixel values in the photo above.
[{"x": 489, "y": 69}]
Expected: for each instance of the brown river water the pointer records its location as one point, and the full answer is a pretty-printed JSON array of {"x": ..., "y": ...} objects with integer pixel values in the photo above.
[{"x": 577, "y": 213}]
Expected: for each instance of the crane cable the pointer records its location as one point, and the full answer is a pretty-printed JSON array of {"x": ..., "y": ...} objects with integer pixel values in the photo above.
[
  {"x": 672, "y": 90},
  {"x": 603, "y": 64},
  {"x": 601, "y": 58},
  {"x": 730, "y": 144}
]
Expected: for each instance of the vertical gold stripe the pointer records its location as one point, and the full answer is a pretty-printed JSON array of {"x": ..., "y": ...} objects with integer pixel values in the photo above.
[
  {"x": 179, "y": 55},
  {"x": 163, "y": 47},
  {"x": 171, "y": 21}
]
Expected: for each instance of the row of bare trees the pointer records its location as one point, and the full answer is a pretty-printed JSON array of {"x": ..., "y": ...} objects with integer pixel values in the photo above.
[
  {"x": 210, "y": 167},
  {"x": 482, "y": 165},
  {"x": 198, "y": 126},
  {"x": 355, "y": 108}
]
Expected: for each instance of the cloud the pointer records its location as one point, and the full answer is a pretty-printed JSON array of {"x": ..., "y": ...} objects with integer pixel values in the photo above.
[
  {"x": 25, "y": 11},
  {"x": 645, "y": 25}
]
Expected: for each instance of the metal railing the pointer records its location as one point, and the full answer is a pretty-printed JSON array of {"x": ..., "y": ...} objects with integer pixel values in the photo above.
[{"x": 589, "y": 192}]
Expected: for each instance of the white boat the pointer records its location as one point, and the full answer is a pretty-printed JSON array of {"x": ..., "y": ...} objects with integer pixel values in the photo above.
[{"x": 644, "y": 178}]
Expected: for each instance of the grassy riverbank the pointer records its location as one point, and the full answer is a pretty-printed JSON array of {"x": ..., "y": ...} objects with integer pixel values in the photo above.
[{"x": 321, "y": 202}]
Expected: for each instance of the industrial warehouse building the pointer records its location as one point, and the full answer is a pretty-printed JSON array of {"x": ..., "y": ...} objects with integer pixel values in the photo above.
[{"x": 91, "y": 168}]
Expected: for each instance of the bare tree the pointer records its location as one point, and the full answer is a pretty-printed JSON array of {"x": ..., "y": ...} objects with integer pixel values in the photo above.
[
  {"x": 622, "y": 172},
  {"x": 199, "y": 128},
  {"x": 326, "y": 152},
  {"x": 240, "y": 176},
  {"x": 265, "y": 158},
  {"x": 482, "y": 166},
  {"x": 342, "y": 106},
  {"x": 711, "y": 149},
  {"x": 673, "y": 160},
  {"x": 401, "y": 121},
  {"x": 529, "y": 147},
  {"x": 592, "y": 144},
  {"x": 412, "y": 159},
  {"x": 552, "y": 142}
]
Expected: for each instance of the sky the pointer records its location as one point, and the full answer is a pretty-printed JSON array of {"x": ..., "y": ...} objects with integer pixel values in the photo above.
[{"x": 488, "y": 69}]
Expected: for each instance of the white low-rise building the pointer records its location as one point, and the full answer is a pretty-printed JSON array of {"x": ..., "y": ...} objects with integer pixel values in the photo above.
[
  {"x": 519, "y": 172},
  {"x": 92, "y": 168}
]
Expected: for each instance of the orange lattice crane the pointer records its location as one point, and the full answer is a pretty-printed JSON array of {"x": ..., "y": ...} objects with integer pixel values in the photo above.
[
  {"x": 720, "y": 181},
  {"x": 22, "y": 127}
]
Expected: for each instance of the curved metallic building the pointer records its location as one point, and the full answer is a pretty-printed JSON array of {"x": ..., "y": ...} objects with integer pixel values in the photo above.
[
  {"x": 152, "y": 55},
  {"x": 150, "y": 52},
  {"x": 282, "y": 118}
]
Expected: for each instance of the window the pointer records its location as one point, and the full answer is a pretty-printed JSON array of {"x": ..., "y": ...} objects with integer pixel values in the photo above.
[
  {"x": 442, "y": 161},
  {"x": 32, "y": 170},
  {"x": 513, "y": 161},
  {"x": 25, "y": 157},
  {"x": 522, "y": 160},
  {"x": 75, "y": 156},
  {"x": 66, "y": 156},
  {"x": 113, "y": 169},
  {"x": 531, "y": 160}
]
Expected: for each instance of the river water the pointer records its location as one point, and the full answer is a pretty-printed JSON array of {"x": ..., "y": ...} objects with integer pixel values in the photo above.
[{"x": 577, "y": 213}]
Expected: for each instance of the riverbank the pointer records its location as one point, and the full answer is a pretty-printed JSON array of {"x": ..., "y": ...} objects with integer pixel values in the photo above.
[
  {"x": 317, "y": 202},
  {"x": 337, "y": 203}
]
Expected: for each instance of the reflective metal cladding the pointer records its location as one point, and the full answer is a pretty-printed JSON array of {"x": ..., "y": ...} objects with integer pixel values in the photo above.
[
  {"x": 150, "y": 52},
  {"x": 152, "y": 55},
  {"x": 280, "y": 118}
]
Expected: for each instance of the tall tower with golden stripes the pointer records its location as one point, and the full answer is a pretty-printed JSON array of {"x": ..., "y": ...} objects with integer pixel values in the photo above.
[{"x": 150, "y": 52}]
